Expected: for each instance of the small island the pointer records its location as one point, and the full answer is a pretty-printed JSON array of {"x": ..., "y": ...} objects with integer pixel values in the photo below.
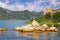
[
  {"x": 50, "y": 17},
  {"x": 4, "y": 29},
  {"x": 35, "y": 27}
]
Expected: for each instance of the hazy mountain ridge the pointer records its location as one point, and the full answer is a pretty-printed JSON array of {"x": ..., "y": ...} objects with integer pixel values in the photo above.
[{"x": 8, "y": 14}]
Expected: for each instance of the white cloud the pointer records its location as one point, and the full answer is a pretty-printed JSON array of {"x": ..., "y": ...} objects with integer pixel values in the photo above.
[
  {"x": 2, "y": 5},
  {"x": 35, "y": 6},
  {"x": 13, "y": 7},
  {"x": 20, "y": 7},
  {"x": 30, "y": 6},
  {"x": 53, "y": 2}
]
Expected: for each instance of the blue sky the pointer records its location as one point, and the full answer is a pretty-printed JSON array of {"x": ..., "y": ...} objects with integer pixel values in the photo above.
[{"x": 31, "y": 5}]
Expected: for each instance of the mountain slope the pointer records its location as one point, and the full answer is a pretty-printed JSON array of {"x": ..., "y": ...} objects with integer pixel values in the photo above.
[{"x": 8, "y": 14}]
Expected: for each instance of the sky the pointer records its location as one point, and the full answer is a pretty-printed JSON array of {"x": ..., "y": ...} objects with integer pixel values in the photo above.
[{"x": 31, "y": 5}]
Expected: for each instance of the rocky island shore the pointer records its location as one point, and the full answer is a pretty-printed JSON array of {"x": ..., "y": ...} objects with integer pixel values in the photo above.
[{"x": 35, "y": 26}]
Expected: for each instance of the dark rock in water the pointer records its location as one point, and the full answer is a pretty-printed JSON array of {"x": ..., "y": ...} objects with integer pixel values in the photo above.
[{"x": 3, "y": 29}]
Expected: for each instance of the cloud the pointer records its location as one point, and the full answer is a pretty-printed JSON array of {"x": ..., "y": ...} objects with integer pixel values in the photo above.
[
  {"x": 55, "y": 3},
  {"x": 13, "y": 7},
  {"x": 37, "y": 5},
  {"x": 20, "y": 7},
  {"x": 2, "y": 5},
  {"x": 34, "y": 6}
]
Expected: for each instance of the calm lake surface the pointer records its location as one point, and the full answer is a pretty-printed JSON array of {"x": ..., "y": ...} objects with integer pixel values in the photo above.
[{"x": 15, "y": 35}]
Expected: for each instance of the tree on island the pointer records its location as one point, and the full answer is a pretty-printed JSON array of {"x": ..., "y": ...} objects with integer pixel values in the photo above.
[
  {"x": 48, "y": 15},
  {"x": 56, "y": 17},
  {"x": 48, "y": 18}
]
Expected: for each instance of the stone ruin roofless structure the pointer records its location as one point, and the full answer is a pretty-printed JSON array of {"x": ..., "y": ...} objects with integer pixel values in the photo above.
[{"x": 50, "y": 10}]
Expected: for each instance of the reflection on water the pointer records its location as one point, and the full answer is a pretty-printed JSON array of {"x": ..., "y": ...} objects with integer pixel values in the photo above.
[
  {"x": 11, "y": 35},
  {"x": 15, "y": 35},
  {"x": 38, "y": 36}
]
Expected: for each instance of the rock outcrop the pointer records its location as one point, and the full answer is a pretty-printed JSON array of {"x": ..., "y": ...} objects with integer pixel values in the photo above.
[{"x": 35, "y": 26}]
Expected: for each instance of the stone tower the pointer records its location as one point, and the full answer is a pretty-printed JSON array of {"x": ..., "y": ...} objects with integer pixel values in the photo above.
[{"x": 47, "y": 10}]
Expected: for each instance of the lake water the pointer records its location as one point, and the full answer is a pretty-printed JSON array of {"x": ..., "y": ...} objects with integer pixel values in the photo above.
[{"x": 15, "y": 35}]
